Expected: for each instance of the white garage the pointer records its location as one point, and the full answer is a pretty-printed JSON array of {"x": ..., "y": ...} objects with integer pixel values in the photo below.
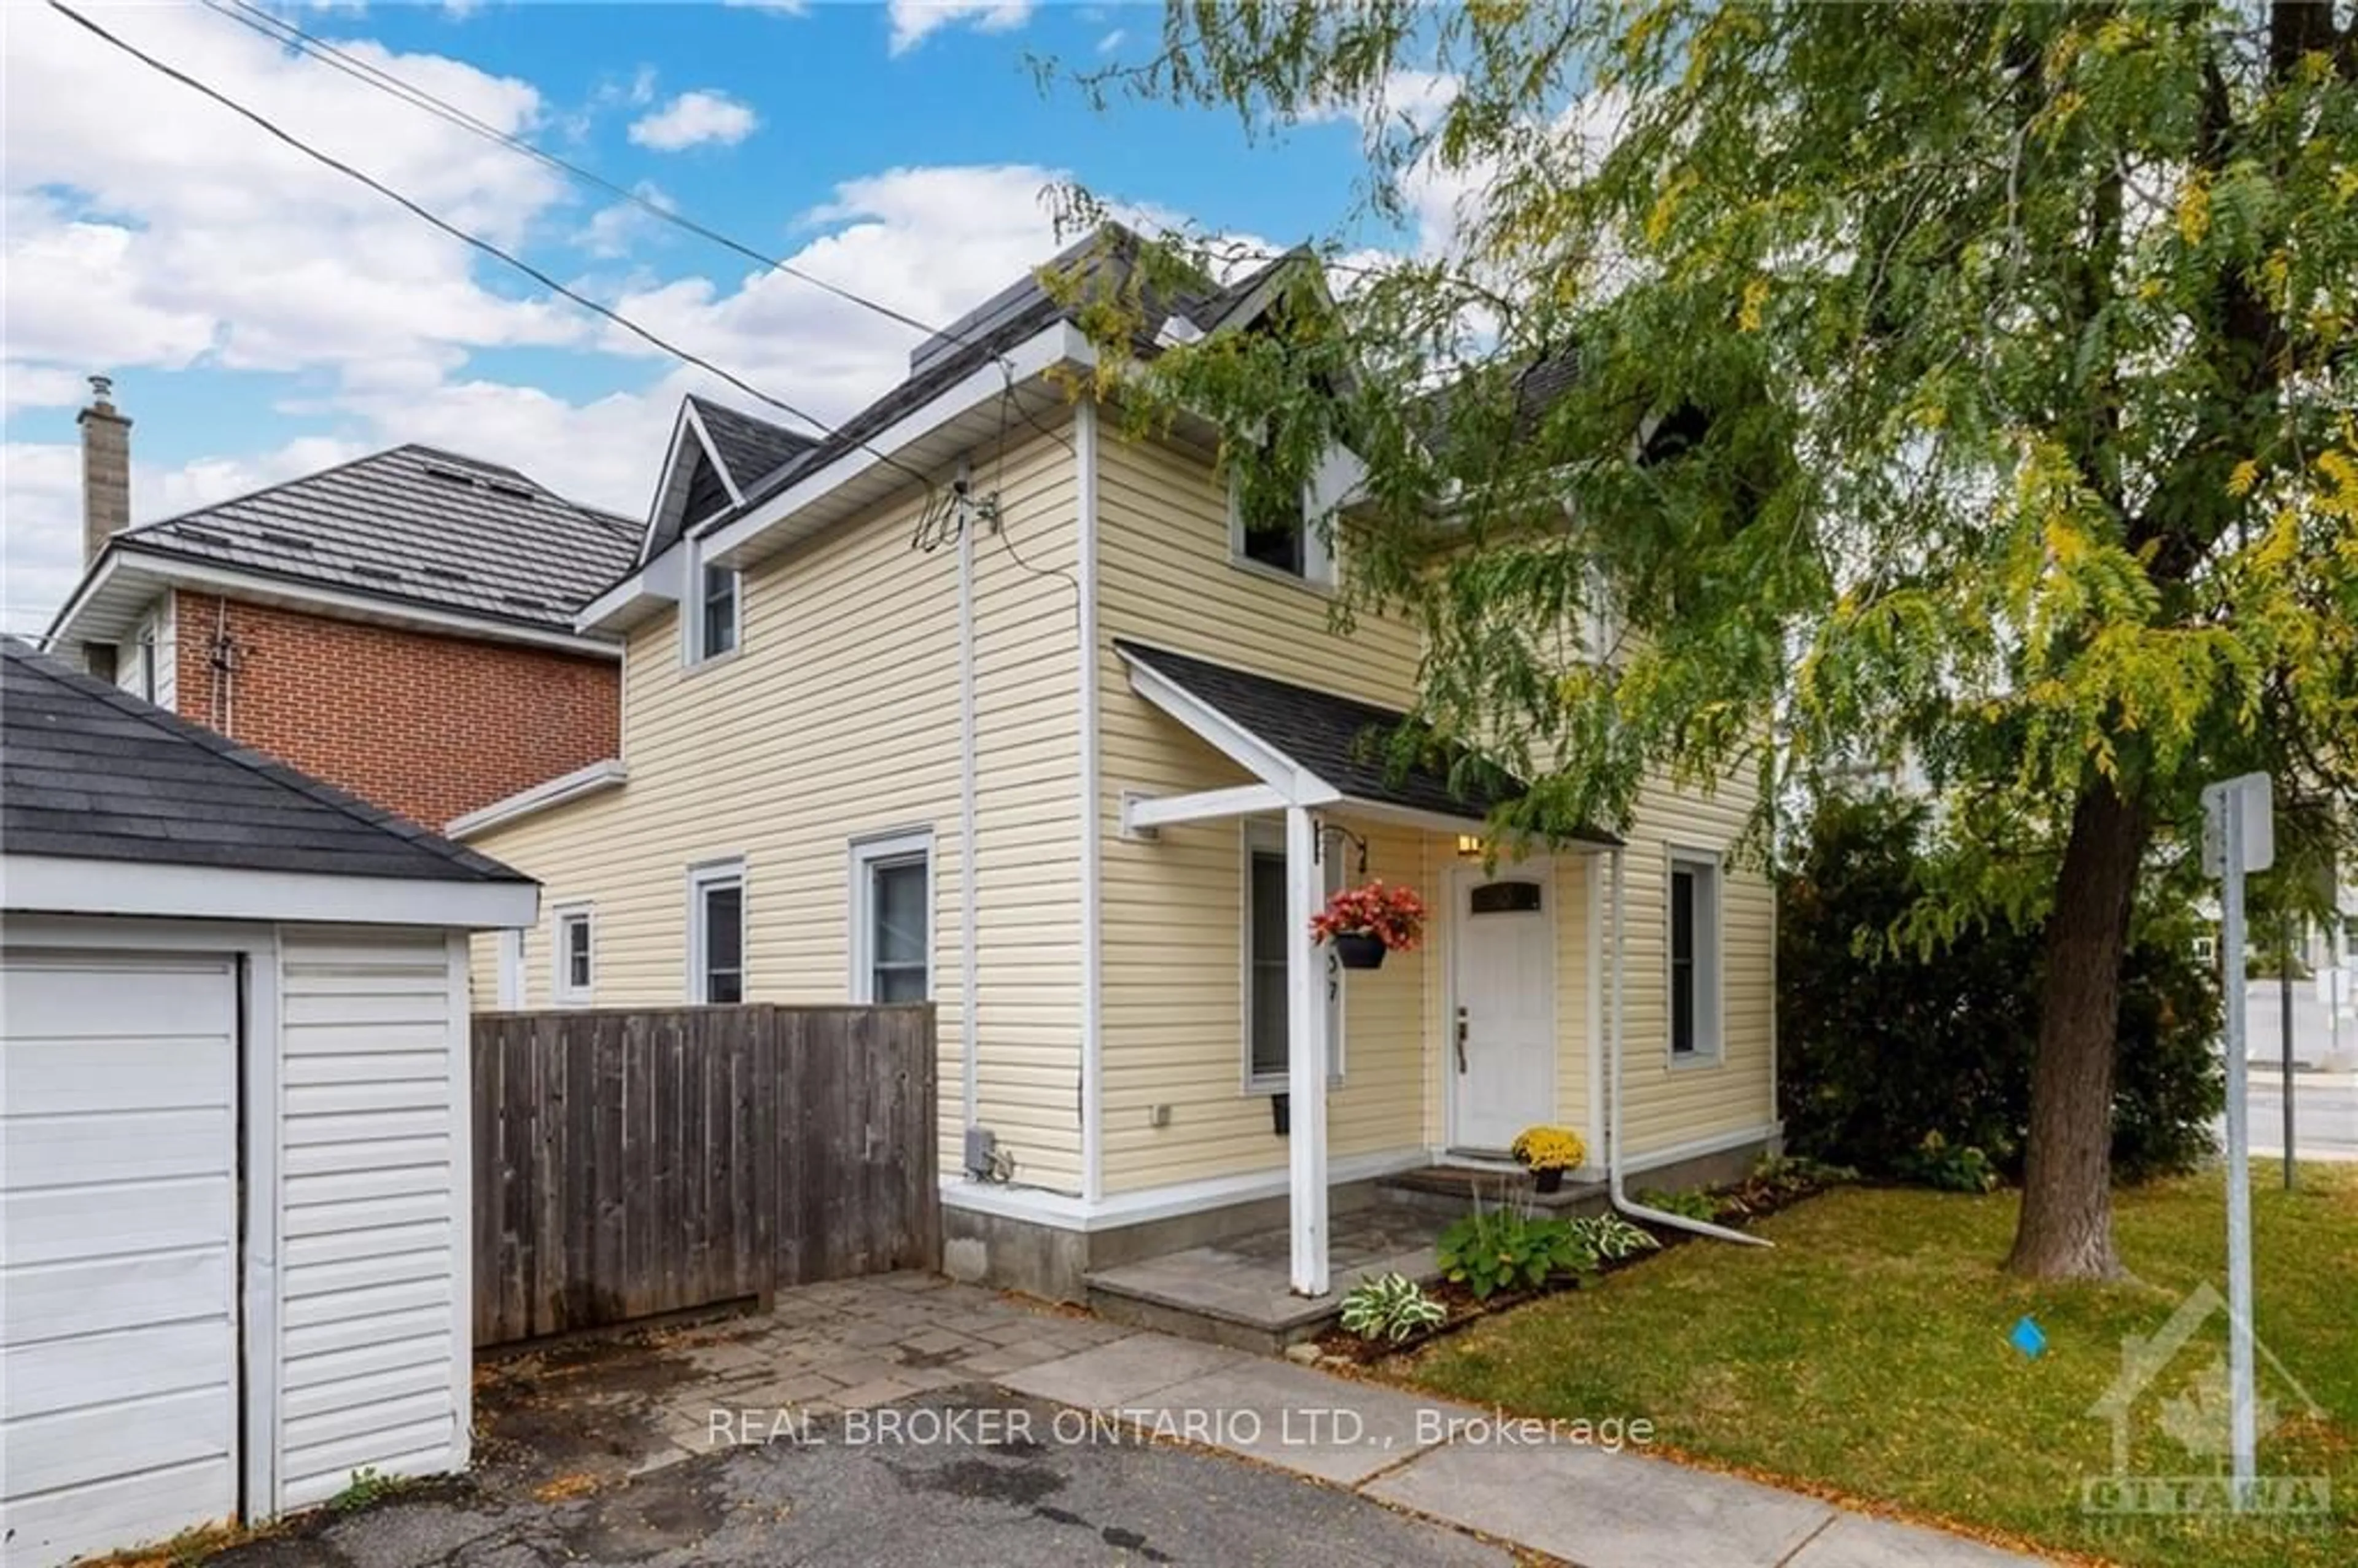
[{"x": 234, "y": 1128}]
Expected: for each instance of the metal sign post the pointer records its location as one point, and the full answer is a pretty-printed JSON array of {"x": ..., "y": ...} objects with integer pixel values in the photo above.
[{"x": 2238, "y": 836}]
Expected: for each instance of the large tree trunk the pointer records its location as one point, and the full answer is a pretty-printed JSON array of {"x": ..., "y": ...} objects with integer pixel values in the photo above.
[{"x": 2066, "y": 1229}]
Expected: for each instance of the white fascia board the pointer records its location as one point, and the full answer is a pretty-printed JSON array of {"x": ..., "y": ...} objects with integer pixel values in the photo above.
[
  {"x": 598, "y": 777},
  {"x": 1202, "y": 806},
  {"x": 1296, "y": 783},
  {"x": 656, "y": 508},
  {"x": 62, "y": 627},
  {"x": 711, "y": 452},
  {"x": 1059, "y": 343},
  {"x": 177, "y": 571},
  {"x": 655, "y": 585},
  {"x": 60, "y": 885}
]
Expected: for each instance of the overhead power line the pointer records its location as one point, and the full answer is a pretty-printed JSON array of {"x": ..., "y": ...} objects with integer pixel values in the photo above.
[
  {"x": 280, "y": 30},
  {"x": 426, "y": 215}
]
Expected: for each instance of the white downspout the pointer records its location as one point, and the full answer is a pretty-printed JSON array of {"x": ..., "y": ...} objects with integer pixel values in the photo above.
[
  {"x": 970, "y": 898},
  {"x": 1613, "y": 1136}
]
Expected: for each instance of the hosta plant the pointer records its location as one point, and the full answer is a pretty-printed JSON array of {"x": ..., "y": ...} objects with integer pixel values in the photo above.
[
  {"x": 1612, "y": 1237},
  {"x": 1389, "y": 1306},
  {"x": 1495, "y": 1249}
]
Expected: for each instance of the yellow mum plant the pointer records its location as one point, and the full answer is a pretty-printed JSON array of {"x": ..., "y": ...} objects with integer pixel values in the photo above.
[{"x": 1548, "y": 1147}]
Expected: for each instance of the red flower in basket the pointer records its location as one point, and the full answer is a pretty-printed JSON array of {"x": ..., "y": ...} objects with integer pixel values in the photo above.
[{"x": 1365, "y": 922}]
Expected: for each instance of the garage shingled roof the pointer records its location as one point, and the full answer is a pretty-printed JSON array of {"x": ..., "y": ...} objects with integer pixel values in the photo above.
[{"x": 89, "y": 772}]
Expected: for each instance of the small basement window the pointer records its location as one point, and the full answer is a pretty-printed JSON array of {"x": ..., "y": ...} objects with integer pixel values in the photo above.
[{"x": 574, "y": 956}]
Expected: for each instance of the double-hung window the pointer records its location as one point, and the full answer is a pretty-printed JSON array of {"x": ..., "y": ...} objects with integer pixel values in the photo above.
[
  {"x": 716, "y": 932},
  {"x": 712, "y": 607},
  {"x": 1693, "y": 943},
  {"x": 716, "y": 612},
  {"x": 892, "y": 918},
  {"x": 574, "y": 956},
  {"x": 1277, "y": 537},
  {"x": 1267, "y": 1016}
]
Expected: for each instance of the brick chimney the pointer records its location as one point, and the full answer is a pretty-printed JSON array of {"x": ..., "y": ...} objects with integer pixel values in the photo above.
[{"x": 105, "y": 468}]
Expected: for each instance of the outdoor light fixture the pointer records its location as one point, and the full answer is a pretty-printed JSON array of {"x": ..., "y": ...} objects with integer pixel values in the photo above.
[{"x": 1469, "y": 846}]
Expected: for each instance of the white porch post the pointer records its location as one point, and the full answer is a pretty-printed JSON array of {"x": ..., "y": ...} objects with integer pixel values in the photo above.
[{"x": 1306, "y": 1017}]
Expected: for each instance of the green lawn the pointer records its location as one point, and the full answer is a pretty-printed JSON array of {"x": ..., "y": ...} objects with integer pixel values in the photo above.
[{"x": 1867, "y": 1353}]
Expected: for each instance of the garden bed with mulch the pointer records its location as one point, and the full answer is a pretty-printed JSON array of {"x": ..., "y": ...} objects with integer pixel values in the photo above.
[{"x": 1774, "y": 1186}]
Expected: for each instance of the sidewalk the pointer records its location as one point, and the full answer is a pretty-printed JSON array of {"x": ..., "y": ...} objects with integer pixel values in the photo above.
[{"x": 1511, "y": 1481}]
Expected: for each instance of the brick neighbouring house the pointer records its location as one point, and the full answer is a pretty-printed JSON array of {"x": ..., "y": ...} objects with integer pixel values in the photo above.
[{"x": 400, "y": 625}]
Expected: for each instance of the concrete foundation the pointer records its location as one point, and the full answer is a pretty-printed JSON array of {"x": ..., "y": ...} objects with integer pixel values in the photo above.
[{"x": 1058, "y": 1264}]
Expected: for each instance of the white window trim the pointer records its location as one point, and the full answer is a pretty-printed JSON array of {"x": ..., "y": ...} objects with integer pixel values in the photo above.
[
  {"x": 867, "y": 852},
  {"x": 1267, "y": 837},
  {"x": 561, "y": 988},
  {"x": 704, "y": 875},
  {"x": 512, "y": 970},
  {"x": 691, "y": 614},
  {"x": 1318, "y": 573},
  {"x": 1711, "y": 960}
]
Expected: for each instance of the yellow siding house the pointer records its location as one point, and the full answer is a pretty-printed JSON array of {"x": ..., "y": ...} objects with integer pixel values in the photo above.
[{"x": 976, "y": 700}]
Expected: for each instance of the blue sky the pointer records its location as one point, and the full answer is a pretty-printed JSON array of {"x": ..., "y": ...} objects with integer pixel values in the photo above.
[{"x": 261, "y": 316}]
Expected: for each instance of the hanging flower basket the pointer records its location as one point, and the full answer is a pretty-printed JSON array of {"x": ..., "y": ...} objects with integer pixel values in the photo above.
[{"x": 1365, "y": 923}]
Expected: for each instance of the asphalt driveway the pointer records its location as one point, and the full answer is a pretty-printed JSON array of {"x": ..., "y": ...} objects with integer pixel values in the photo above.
[{"x": 964, "y": 1476}]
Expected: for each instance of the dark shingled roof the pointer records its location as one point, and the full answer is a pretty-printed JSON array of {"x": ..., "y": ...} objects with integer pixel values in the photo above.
[
  {"x": 752, "y": 449},
  {"x": 1099, "y": 265},
  {"x": 1340, "y": 739},
  {"x": 91, "y": 773},
  {"x": 414, "y": 525}
]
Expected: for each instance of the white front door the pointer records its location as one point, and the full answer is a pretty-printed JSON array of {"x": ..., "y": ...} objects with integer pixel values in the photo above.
[
  {"x": 118, "y": 1272},
  {"x": 1501, "y": 1041}
]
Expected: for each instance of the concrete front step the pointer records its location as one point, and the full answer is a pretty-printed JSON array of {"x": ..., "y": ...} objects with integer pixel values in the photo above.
[
  {"x": 1449, "y": 1192},
  {"x": 1238, "y": 1292}
]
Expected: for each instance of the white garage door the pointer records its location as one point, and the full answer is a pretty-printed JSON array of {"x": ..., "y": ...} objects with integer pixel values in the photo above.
[{"x": 118, "y": 1278}]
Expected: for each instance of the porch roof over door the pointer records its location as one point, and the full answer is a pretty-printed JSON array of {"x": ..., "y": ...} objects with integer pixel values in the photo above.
[{"x": 1310, "y": 747}]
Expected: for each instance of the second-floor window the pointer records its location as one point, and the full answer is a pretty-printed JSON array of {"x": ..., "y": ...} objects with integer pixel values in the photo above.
[
  {"x": 1277, "y": 537},
  {"x": 717, "y": 612}
]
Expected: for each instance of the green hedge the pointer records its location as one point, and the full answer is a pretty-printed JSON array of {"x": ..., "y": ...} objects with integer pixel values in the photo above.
[{"x": 1878, "y": 1049}]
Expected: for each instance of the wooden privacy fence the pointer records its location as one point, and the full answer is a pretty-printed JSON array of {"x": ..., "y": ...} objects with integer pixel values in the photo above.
[{"x": 632, "y": 1163}]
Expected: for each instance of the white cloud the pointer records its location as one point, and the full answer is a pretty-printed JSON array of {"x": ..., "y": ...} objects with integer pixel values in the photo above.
[
  {"x": 40, "y": 555},
  {"x": 693, "y": 119},
  {"x": 183, "y": 235},
  {"x": 1111, "y": 42},
  {"x": 913, "y": 19},
  {"x": 181, "y": 241},
  {"x": 616, "y": 230}
]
